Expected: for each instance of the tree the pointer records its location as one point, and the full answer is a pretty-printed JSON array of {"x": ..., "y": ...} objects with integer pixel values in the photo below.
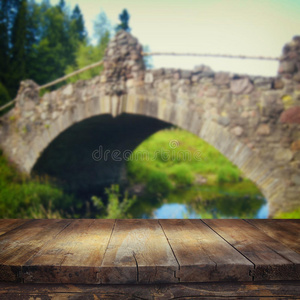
[
  {"x": 56, "y": 47},
  {"x": 88, "y": 54},
  {"x": 8, "y": 11},
  {"x": 18, "y": 51},
  {"x": 78, "y": 24},
  {"x": 61, "y": 5},
  {"x": 124, "y": 18},
  {"x": 102, "y": 27},
  {"x": 4, "y": 43},
  {"x": 4, "y": 96}
]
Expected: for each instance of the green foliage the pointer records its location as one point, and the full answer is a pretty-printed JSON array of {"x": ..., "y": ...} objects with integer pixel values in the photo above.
[
  {"x": 37, "y": 41},
  {"x": 78, "y": 24},
  {"x": 228, "y": 174},
  {"x": 158, "y": 183},
  {"x": 182, "y": 175},
  {"x": 102, "y": 27},
  {"x": 115, "y": 208},
  {"x": 85, "y": 55},
  {"x": 295, "y": 214},
  {"x": 22, "y": 197},
  {"x": 124, "y": 18},
  {"x": 4, "y": 96},
  {"x": 181, "y": 164}
]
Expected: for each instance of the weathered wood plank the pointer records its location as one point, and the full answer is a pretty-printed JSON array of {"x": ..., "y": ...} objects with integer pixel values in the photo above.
[
  {"x": 72, "y": 256},
  {"x": 213, "y": 290},
  {"x": 286, "y": 232},
  {"x": 273, "y": 260},
  {"x": 203, "y": 255},
  {"x": 10, "y": 224},
  {"x": 21, "y": 243},
  {"x": 138, "y": 252}
]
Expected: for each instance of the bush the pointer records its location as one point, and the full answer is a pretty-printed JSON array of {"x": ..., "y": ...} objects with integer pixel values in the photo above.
[
  {"x": 227, "y": 174},
  {"x": 22, "y": 197},
  {"x": 115, "y": 209},
  {"x": 158, "y": 183},
  {"x": 182, "y": 175}
]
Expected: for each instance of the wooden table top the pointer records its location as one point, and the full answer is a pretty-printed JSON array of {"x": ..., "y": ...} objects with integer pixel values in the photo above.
[{"x": 148, "y": 251}]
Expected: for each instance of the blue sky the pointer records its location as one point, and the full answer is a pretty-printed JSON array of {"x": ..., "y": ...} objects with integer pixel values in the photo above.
[{"x": 249, "y": 27}]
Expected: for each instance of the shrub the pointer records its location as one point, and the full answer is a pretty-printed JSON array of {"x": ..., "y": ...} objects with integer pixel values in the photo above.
[
  {"x": 115, "y": 209},
  {"x": 227, "y": 174},
  {"x": 182, "y": 175},
  {"x": 158, "y": 183}
]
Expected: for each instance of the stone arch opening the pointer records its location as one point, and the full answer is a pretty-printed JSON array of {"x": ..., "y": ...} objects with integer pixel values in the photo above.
[
  {"x": 77, "y": 155},
  {"x": 89, "y": 155}
]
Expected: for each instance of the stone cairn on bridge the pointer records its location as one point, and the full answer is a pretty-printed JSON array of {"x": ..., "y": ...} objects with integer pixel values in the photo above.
[
  {"x": 252, "y": 120},
  {"x": 123, "y": 64},
  {"x": 289, "y": 66}
]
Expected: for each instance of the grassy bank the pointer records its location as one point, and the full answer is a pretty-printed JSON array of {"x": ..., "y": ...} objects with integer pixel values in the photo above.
[
  {"x": 175, "y": 158},
  {"x": 22, "y": 197},
  {"x": 28, "y": 198}
]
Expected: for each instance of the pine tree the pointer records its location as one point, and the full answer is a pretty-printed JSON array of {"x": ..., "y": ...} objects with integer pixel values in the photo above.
[
  {"x": 78, "y": 24},
  {"x": 4, "y": 42},
  {"x": 8, "y": 11},
  {"x": 124, "y": 18},
  {"x": 61, "y": 5},
  {"x": 18, "y": 51}
]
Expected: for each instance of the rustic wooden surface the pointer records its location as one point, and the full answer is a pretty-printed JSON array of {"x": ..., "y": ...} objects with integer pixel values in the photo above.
[
  {"x": 272, "y": 259},
  {"x": 138, "y": 252},
  {"x": 285, "y": 231},
  {"x": 203, "y": 255},
  {"x": 212, "y": 290},
  {"x": 149, "y": 251}
]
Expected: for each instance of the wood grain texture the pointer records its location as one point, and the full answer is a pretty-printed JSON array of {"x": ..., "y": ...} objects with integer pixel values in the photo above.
[
  {"x": 148, "y": 251},
  {"x": 286, "y": 232},
  {"x": 138, "y": 252},
  {"x": 203, "y": 255},
  {"x": 272, "y": 260},
  {"x": 21, "y": 243},
  {"x": 74, "y": 255},
  {"x": 10, "y": 224},
  {"x": 213, "y": 290}
]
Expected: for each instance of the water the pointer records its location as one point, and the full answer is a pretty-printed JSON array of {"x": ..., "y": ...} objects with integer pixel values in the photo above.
[
  {"x": 182, "y": 211},
  {"x": 214, "y": 203}
]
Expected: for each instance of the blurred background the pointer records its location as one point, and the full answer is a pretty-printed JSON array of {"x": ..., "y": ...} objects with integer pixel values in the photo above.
[{"x": 45, "y": 40}]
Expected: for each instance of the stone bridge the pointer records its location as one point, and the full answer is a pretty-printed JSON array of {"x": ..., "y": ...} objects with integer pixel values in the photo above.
[{"x": 253, "y": 121}]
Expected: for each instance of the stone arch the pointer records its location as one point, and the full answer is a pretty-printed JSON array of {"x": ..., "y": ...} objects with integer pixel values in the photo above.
[{"x": 210, "y": 131}]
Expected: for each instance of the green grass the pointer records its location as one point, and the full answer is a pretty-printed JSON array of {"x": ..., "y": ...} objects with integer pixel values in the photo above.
[
  {"x": 173, "y": 158},
  {"x": 295, "y": 214},
  {"x": 22, "y": 197},
  {"x": 39, "y": 198}
]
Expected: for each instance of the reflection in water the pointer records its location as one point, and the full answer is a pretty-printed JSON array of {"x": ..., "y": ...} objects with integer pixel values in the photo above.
[
  {"x": 182, "y": 211},
  {"x": 193, "y": 203}
]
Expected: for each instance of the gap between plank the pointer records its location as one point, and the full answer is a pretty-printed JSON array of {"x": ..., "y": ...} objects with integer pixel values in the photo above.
[
  {"x": 107, "y": 245},
  {"x": 137, "y": 267},
  {"x": 232, "y": 247},
  {"x": 171, "y": 249}
]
